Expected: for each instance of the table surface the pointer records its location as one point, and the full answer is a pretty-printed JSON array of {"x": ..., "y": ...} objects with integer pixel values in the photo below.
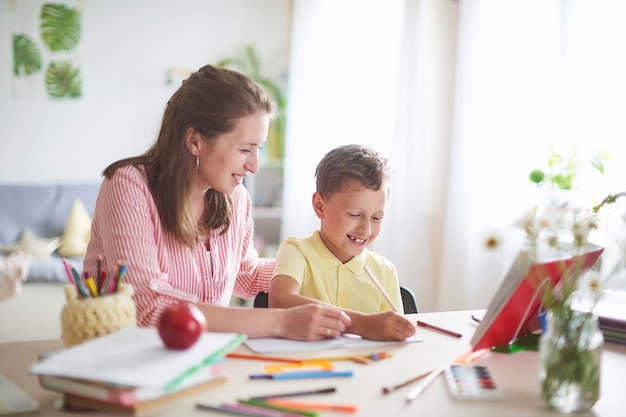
[{"x": 516, "y": 374}]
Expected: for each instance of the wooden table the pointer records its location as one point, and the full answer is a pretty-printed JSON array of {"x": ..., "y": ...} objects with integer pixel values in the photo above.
[{"x": 517, "y": 375}]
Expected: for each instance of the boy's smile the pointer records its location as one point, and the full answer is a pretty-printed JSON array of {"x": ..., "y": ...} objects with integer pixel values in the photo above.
[{"x": 350, "y": 218}]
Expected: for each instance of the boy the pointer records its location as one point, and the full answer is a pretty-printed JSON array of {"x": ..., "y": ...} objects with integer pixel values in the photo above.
[{"x": 328, "y": 267}]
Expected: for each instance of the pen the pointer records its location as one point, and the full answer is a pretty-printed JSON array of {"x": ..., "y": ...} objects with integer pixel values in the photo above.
[
  {"x": 380, "y": 288},
  {"x": 415, "y": 392},
  {"x": 387, "y": 390},
  {"x": 430, "y": 326},
  {"x": 296, "y": 394},
  {"x": 263, "y": 358},
  {"x": 300, "y": 375},
  {"x": 348, "y": 408}
]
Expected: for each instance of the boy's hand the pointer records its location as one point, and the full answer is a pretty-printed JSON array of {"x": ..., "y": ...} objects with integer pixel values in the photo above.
[{"x": 386, "y": 326}]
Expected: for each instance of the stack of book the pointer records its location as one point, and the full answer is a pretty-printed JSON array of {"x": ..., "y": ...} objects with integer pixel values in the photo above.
[
  {"x": 611, "y": 311},
  {"x": 131, "y": 371}
]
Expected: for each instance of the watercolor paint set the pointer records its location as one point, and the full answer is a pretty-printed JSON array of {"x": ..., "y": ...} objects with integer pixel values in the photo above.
[{"x": 471, "y": 382}]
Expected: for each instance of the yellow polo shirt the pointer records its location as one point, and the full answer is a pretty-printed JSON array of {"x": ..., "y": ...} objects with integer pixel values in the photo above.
[{"x": 322, "y": 276}]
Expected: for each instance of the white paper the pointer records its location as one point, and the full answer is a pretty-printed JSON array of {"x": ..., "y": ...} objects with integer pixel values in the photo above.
[
  {"x": 134, "y": 356},
  {"x": 275, "y": 345}
]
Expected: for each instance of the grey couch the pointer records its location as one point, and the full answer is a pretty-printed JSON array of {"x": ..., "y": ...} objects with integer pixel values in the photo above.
[{"x": 44, "y": 209}]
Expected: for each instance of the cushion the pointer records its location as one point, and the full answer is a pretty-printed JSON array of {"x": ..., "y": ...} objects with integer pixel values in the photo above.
[
  {"x": 13, "y": 270},
  {"x": 77, "y": 231},
  {"x": 33, "y": 246}
]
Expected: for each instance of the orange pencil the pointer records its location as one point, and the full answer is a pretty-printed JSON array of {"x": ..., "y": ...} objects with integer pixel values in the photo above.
[{"x": 300, "y": 405}]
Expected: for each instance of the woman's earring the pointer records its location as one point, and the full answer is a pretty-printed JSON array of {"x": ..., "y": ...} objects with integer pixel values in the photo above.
[{"x": 197, "y": 162}]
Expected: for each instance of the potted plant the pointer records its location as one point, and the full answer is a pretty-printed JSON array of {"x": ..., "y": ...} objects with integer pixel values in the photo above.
[
  {"x": 247, "y": 62},
  {"x": 560, "y": 192},
  {"x": 562, "y": 170}
]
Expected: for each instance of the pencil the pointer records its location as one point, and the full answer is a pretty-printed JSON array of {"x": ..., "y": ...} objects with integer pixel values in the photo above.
[
  {"x": 120, "y": 276},
  {"x": 263, "y": 404},
  {"x": 296, "y": 394},
  {"x": 376, "y": 356},
  {"x": 380, "y": 288},
  {"x": 262, "y": 358},
  {"x": 300, "y": 375},
  {"x": 244, "y": 410},
  {"x": 92, "y": 286},
  {"x": 387, "y": 390},
  {"x": 439, "y": 329},
  {"x": 299, "y": 405},
  {"x": 415, "y": 392},
  {"x": 68, "y": 269}
]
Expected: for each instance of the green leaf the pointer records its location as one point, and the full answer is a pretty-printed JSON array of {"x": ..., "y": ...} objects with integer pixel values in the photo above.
[
  {"x": 536, "y": 176},
  {"x": 60, "y": 27},
  {"x": 26, "y": 56},
  {"x": 62, "y": 80}
]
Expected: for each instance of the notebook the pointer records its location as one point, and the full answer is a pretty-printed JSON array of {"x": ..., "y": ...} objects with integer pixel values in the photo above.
[
  {"x": 137, "y": 356},
  {"x": 277, "y": 345}
]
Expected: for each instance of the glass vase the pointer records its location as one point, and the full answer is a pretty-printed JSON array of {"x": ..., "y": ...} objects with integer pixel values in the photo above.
[{"x": 570, "y": 354}]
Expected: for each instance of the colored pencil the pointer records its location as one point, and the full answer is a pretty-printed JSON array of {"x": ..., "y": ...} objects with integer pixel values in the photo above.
[
  {"x": 68, "y": 269},
  {"x": 92, "y": 286},
  {"x": 376, "y": 356},
  {"x": 439, "y": 329},
  {"x": 380, "y": 288},
  {"x": 120, "y": 276},
  {"x": 245, "y": 410},
  {"x": 300, "y": 405},
  {"x": 262, "y": 403},
  {"x": 300, "y": 375},
  {"x": 296, "y": 394},
  {"x": 262, "y": 358}
]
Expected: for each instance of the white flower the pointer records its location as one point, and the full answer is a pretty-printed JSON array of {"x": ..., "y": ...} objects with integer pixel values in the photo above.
[
  {"x": 589, "y": 291},
  {"x": 590, "y": 282}
]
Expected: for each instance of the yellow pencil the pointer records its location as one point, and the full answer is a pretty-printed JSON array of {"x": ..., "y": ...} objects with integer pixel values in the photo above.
[{"x": 92, "y": 286}]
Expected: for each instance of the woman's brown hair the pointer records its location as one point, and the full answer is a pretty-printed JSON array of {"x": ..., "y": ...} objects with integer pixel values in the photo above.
[{"x": 210, "y": 101}]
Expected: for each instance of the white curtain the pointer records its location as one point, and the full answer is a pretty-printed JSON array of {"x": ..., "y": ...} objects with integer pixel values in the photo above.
[{"x": 465, "y": 98}]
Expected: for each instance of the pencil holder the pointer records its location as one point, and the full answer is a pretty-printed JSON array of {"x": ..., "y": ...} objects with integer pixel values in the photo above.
[{"x": 83, "y": 319}]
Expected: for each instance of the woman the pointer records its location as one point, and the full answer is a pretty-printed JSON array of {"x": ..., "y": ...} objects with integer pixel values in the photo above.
[{"x": 180, "y": 218}]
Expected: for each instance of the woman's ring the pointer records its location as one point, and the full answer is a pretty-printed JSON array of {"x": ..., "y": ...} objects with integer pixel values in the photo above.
[{"x": 327, "y": 331}]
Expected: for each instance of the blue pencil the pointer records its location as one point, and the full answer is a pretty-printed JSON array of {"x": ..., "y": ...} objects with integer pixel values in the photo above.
[{"x": 300, "y": 375}]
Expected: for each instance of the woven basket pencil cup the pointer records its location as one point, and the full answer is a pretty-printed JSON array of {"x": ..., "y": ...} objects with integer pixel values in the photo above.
[{"x": 83, "y": 319}]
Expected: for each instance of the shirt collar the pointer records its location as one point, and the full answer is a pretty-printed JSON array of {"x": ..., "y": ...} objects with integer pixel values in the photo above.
[{"x": 355, "y": 265}]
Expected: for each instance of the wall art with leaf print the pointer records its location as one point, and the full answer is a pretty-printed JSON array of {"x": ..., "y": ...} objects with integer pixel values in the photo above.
[{"x": 46, "y": 49}]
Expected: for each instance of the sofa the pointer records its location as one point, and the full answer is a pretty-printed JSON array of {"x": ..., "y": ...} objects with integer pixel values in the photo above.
[{"x": 46, "y": 216}]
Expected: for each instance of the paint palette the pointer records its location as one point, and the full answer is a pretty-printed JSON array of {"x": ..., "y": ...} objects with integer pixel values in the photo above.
[{"x": 471, "y": 382}]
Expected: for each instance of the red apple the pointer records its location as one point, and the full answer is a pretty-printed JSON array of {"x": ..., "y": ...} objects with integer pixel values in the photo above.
[{"x": 181, "y": 325}]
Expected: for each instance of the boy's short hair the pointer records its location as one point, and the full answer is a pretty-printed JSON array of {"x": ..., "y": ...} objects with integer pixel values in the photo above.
[{"x": 347, "y": 162}]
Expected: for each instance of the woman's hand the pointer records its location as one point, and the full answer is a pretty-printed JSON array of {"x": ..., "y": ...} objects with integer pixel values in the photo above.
[{"x": 312, "y": 322}]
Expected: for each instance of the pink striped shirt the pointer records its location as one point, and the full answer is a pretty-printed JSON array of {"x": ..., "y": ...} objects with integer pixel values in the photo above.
[{"x": 162, "y": 271}]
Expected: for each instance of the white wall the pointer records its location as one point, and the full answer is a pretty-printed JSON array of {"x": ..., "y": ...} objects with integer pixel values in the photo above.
[{"x": 126, "y": 48}]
